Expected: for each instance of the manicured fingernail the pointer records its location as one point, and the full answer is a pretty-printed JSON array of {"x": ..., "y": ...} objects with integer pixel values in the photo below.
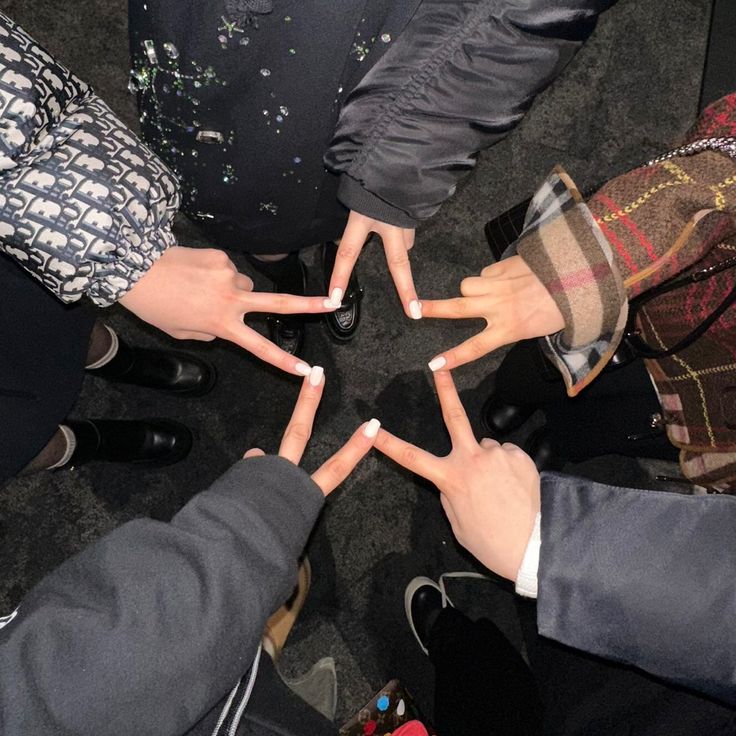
[
  {"x": 303, "y": 369},
  {"x": 371, "y": 429},
  {"x": 336, "y": 297},
  {"x": 328, "y": 304},
  {"x": 415, "y": 309},
  {"x": 436, "y": 363},
  {"x": 315, "y": 376}
]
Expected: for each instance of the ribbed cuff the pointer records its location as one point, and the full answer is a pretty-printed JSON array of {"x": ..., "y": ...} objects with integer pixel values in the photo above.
[
  {"x": 352, "y": 194},
  {"x": 526, "y": 578}
]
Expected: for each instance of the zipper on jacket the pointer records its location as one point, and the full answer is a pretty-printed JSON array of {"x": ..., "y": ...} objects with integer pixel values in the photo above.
[{"x": 231, "y": 715}]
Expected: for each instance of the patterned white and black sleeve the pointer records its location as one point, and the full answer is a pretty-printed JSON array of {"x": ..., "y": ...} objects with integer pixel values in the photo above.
[{"x": 85, "y": 206}]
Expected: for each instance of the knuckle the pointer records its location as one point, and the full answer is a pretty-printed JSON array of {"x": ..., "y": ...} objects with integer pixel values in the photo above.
[
  {"x": 461, "y": 307},
  {"x": 337, "y": 468},
  {"x": 298, "y": 431},
  {"x": 348, "y": 252},
  {"x": 465, "y": 286},
  {"x": 409, "y": 455},
  {"x": 477, "y": 349},
  {"x": 218, "y": 258},
  {"x": 453, "y": 414},
  {"x": 397, "y": 259}
]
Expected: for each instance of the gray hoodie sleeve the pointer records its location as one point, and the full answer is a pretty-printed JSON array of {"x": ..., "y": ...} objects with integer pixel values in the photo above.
[
  {"x": 145, "y": 630},
  {"x": 641, "y": 577},
  {"x": 458, "y": 79},
  {"x": 85, "y": 207}
]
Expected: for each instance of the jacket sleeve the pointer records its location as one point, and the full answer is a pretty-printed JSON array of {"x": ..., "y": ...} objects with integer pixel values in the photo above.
[
  {"x": 635, "y": 232},
  {"x": 460, "y": 77},
  {"x": 641, "y": 577},
  {"x": 145, "y": 630},
  {"x": 85, "y": 207}
]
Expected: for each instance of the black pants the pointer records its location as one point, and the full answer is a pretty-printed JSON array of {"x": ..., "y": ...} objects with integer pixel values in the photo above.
[
  {"x": 483, "y": 686},
  {"x": 611, "y": 416},
  {"x": 43, "y": 348}
]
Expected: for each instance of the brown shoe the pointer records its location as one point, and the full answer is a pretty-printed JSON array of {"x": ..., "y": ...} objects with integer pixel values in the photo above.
[{"x": 279, "y": 625}]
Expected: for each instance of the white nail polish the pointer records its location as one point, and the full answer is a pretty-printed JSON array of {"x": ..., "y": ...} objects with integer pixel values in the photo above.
[
  {"x": 415, "y": 309},
  {"x": 436, "y": 363},
  {"x": 328, "y": 304},
  {"x": 303, "y": 369},
  {"x": 336, "y": 297},
  {"x": 371, "y": 429},
  {"x": 315, "y": 376}
]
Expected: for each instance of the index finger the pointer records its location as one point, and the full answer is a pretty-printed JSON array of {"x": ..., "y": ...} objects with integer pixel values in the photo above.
[
  {"x": 250, "y": 340},
  {"x": 299, "y": 429},
  {"x": 473, "y": 348},
  {"x": 333, "y": 472},
  {"x": 352, "y": 242},
  {"x": 453, "y": 412},
  {"x": 409, "y": 456},
  {"x": 397, "y": 258},
  {"x": 259, "y": 301},
  {"x": 461, "y": 307}
]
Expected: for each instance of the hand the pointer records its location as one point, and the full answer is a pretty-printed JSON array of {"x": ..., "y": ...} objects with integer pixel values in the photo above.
[
  {"x": 397, "y": 242},
  {"x": 510, "y": 298},
  {"x": 195, "y": 294},
  {"x": 490, "y": 492},
  {"x": 299, "y": 430}
]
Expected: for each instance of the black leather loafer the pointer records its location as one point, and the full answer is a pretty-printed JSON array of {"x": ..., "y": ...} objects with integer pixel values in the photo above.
[
  {"x": 165, "y": 370},
  {"x": 343, "y": 322},
  {"x": 152, "y": 442},
  {"x": 287, "y": 330},
  {"x": 499, "y": 418}
]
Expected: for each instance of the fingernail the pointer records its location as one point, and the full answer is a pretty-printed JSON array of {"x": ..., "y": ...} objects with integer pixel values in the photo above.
[
  {"x": 336, "y": 297},
  {"x": 415, "y": 309},
  {"x": 371, "y": 429},
  {"x": 315, "y": 375},
  {"x": 436, "y": 363},
  {"x": 303, "y": 369},
  {"x": 328, "y": 304}
]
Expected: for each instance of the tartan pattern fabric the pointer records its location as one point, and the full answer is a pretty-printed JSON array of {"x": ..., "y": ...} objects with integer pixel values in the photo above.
[
  {"x": 659, "y": 221},
  {"x": 581, "y": 277}
]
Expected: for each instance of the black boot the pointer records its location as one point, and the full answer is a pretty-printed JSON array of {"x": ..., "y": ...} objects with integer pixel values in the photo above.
[
  {"x": 343, "y": 322},
  {"x": 153, "y": 442},
  {"x": 289, "y": 276},
  {"x": 166, "y": 370}
]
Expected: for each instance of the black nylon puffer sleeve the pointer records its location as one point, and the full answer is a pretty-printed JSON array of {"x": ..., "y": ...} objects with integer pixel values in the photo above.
[{"x": 459, "y": 78}]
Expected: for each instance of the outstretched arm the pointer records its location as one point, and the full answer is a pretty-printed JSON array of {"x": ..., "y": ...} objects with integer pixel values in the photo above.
[{"x": 155, "y": 622}]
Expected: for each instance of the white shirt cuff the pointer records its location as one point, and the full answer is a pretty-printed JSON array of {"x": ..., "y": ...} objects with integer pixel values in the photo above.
[{"x": 526, "y": 578}]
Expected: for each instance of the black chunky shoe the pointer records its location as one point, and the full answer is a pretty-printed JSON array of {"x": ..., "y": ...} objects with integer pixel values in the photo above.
[
  {"x": 165, "y": 370},
  {"x": 289, "y": 276},
  {"x": 343, "y": 322},
  {"x": 540, "y": 450},
  {"x": 152, "y": 442},
  {"x": 499, "y": 418}
]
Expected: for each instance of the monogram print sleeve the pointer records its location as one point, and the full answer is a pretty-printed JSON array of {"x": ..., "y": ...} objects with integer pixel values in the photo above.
[{"x": 85, "y": 207}]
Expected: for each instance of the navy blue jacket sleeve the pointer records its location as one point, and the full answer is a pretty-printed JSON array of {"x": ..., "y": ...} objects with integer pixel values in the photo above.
[{"x": 642, "y": 577}]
